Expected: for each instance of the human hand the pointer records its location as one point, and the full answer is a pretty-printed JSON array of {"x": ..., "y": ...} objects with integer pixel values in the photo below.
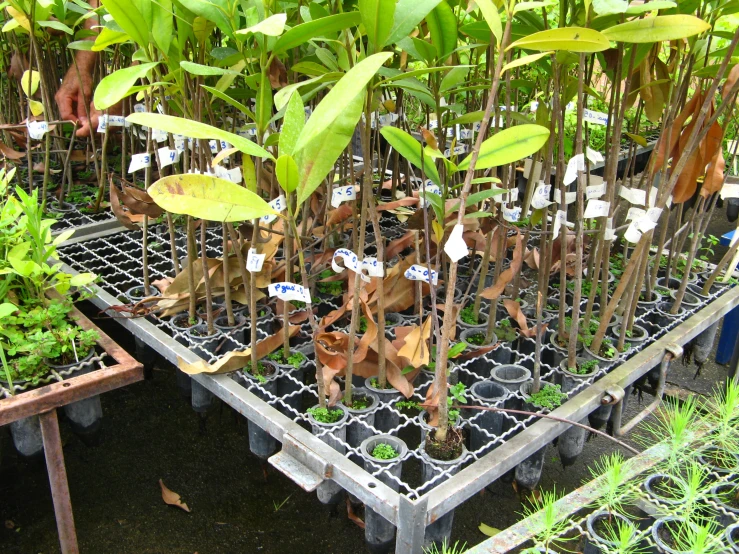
[{"x": 74, "y": 92}]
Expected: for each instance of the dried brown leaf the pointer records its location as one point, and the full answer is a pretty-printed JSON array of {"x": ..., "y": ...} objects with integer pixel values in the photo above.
[{"x": 172, "y": 498}]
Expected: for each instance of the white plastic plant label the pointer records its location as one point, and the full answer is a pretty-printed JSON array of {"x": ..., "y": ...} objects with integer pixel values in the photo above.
[
  {"x": 139, "y": 108},
  {"x": 373, "y": 267},
  {"x": 428, "y": 186},
  {"x": 279, "y": 204},
  {"x": 254, "y": 261},
  {"x": 645, "y": 224},
  {"x": 570, "y": 197},
  {"x": 576, "y": 163},
  {"x": 289, "y": 292},
  {"x": 633, "y": 196},
  {"x": 343, "y": 194},
  {"x": 540, "y": 198},
  {"x": 350, "y": 259},
  {"x": 167, "y": 156},
  {"x": 508, "y": 197},
  {"x": 139, "y": 161},
  {"x": 595, "y": 118},
  {"x": 594, "y": 156},
  {"x": 512, "y": 214},
  {"x": 609, "y": 233},
  {"x": 37, "y": 129},
  {"x": 597, "y": 208},
  {"x": 595, "y": 191},
  {"x": 419, "y": 273},
  {"x": 730, "y": 190},
  {"x": 455, "y": 246},
  {"x": 528, "y": 163},
  {"x": 106, "y": 121},
  {"x": 466, "y": 134},
  {"x": 459, "y": 149},
  {"x": 158, "y": 135},
  {"x": 632, "y": 234},
  {"x": 654, "y": 214},
  {"x": 560, "y": 219},
  {"x": 635, "y": 213}
]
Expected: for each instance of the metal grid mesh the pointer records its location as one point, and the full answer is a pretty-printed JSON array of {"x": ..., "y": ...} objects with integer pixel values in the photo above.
[
  {"x": 76, "y": 218},
  {"x": 117, "y": 259},
  {"x": 97, "y": 361}
]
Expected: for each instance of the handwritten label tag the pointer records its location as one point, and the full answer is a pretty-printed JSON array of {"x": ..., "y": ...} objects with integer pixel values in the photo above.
[
  {"x": 158, "y": 135},
  {"x": 570, "y": 197},
  {"x": 459, "y": 149},
  {"x": 597, "y": 208},
  {"x": 595, "y": 191},
  {"x": 654, "y": 214},
  {"x": 593, "y": 155},
  {"x": 512, "y": 214},
  {"x": 350, "y": 259},
  {"x": 466, "y": 134},
  {"x": 635, "y": 213},
  {"x": 254, "y": 261},
  {"x": 595, "y": 118},
  {"x": 343, "y": 194},
  {"x": 428, "y": 186},
  {"x": 37, "y": 129},
  {"x": 632, "y": 234},
  {"x": 139, "y": 161},
  {"x": 167, "y": 156},
  {"x": 576, "y": 163},
  {"x": 455, "y": 246},
  {"x": 540, "y": 198},
  {"x": 633, "y": 196},
  {"x": 139, "y": 108},
  {"x": 419, "y": 273},
  {"x": 106, "y": 121},
  {"x": 560, "y": 219},
  {"x": 645, "y": 224},
  {"x": 214, "y": 146},
  {"x": 289, "y": 291},
  {"x": 279, "y": 204}
]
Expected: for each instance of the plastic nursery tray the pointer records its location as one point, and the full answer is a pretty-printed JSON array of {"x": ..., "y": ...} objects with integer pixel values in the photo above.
[{"x": 116, "y": 257}]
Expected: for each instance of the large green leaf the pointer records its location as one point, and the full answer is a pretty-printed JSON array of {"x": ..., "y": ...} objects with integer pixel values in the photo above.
[
  {"x": 162, "y": 28},
  {"x": 127, "y": 15},
  {"x": 378, "y": 17},
  {"x": 263, "y": 110},
  {"x": 573, "y": 39},
  {"x": 408, "y": 14},
  {"x": 456, "y": 75},
  {"x": 343, "y": 93},
  {"x": 292, "y": 124},
  {"x": 286, "y": 171},
  {"x": 524, "y": 60},
  {"x": 442, "y": 24},
  {"x": 116, "y": 85},
  {"x": 214, "y": 11},
  {"x": 411, "y": 150},
  {"x": 195, "y": 129},
  {"x": 226, "y": 98},
  {"x": 509, "y": 145},
  {"x": 319, "y": 27},
  {"x": 316, "y": 158},
  {"x": 657, "y": 29},
  {"x": 492, "y": 17},
  {"x": 273, "y": 26},
  {"x": 207, "y": 197},
  {"x": 205, "y": 70}
]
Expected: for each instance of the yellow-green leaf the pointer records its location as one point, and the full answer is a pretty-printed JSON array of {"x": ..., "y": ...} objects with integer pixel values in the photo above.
[
  {"x": 287, "y": 173},
  {"x": 492, "y": 17},
  {"x": 37, "y": 108},
  {"x": 30, "y": 81},
  {"x": 411, "y": 150},
  {"x": 487, "y": 530},
  {"x": 641, "y": 141},
  {"x": 525, "y": 60},
  {"x": 208, "y": 197},
  {"x": 117, "y": 85},
  {"x": 509, "y": 145},
  {"x": 657, "y": 29},
  {"x": 273, "y": 26},
  {"x": 572, "y": 39}
]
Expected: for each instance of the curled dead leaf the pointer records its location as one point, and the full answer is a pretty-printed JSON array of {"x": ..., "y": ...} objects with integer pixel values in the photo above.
[{"x": 172, "y": 498}]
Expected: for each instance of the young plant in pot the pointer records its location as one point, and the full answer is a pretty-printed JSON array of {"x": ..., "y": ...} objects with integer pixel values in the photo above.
[
  {"x": 570, "y": 443},
  {"x": 544, "y": 509}
]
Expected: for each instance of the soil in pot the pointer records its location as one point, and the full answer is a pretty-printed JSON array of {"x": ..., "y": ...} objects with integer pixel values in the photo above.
[
  {"x": 668, "y": 532},
  {"x": 235, "y": 334},
  {"x": 665, "y": 488},
  {"x": 362, "y": 415},
  {"x": 450, "y": 449}
]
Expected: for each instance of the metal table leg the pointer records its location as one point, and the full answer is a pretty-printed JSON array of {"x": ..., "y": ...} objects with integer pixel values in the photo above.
[{"x": 58, "y": 480}]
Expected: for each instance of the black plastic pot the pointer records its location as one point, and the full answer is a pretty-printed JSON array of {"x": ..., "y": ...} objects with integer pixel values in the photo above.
[
  {"x": 486, "y": 424},
  {"x": 595, "y": 543},
  {"x": 482, "y": 322},
  {"x": 718, "y": 495},
  {"x": 426, "y": 428},
  {"x": 730, "y": 460},
  {"x": 605, "y": 363},
  {"x": 643, "y": 306},
  {"x": 554, "y": 353},
  {"x": 571, "y": 443},
  {"x": 290, "y": 381},
  {"x": 379, "y": 533},
  {"x": 673, "y": 284},
  {"x": 362, "y": 420},
  {"x": 235, "y": 334},
  {"x": 528, "y": 472},
  {"x": 689, "y": 299},
  {"x": 440, "y": 530},
  {"x": 334, "y": 435},
  {"x": 261, "y": 443},
  {"x": 386, "y": 419},
  {"x": 27, "y": 437},
  {"x": 732, "y": 537},
  {"x": 85, "y": 416},
  {"x": 203, "y": 346},
  {"x": 467, "y": 333},
  {"x": 179, "y": 325},
  {"x": 660, "y": 528},
  {"x": 265, "y": 323},
  {"x": 510, "y": 376},
  {"x": 652, "y": 486}
]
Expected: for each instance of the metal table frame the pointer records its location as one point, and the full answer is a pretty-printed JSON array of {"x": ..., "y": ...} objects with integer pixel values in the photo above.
[
  {"x": 44, "y": 402},
  {"x": 308, "y": 461}
]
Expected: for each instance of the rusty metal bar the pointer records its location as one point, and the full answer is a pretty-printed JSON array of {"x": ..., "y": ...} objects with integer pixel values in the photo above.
[{"x": 58, "y": 481}]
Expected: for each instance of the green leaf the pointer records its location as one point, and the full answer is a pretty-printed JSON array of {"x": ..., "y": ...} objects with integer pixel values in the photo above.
[
  {"x": 286, "y": 171},
  {"x": 524, "y": 60},
  {"x": 208, "y": 197},
  {"x": 30, "y": 81},
  {"x": 442, "y": 24},
  {"x": 285, "y": 93},
  {"x": 487, "y": 530},
  {"x": 226, "y": 98},
  {"x": 410, "y": 149},
  {"x": 319, "y": 27},
  {"x": 82, "y": 279},
  {"x": 17, "y": 260},
  {"x": 195, "y": 129},
  {"x": 316, "y": 158},
  {"x": 344, "y": 92},
  {"x": 263, "y": 110},
  {"x": 82, "y": 45},
  {"x": 479, "y": 196},
  {"x": 641, "y": 141},
  {"x": 509, "y": 145},
  {"x": 471, "y": 117},
  {"x": 452, "y": 79},
  {"x": 292, "y": 125},
  {"x": 58, "y": 25},
  {"x": 107, "y": 37},
  {"x": 492, "y": 18},
  {"x": 162, "y": 27},
  {"x": 573, "y": 39},
  {"x": 116, "y": 85},
  {"x": 377, "y": 16},
  {"x": 657, "y": 29},
  {"x": 6, "y": 308},
  {"x": 273, "y": 26},
  {"x": 436, "y": 203},
  {"x": 606, "y": 7},
  {"x": 127, "y": 15},
  {"x": 205, "y": 70},
  {"x": 651, "y": 6},
  {"x": 456, "y": 350},
  {"x": 408, "y": 14}
]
